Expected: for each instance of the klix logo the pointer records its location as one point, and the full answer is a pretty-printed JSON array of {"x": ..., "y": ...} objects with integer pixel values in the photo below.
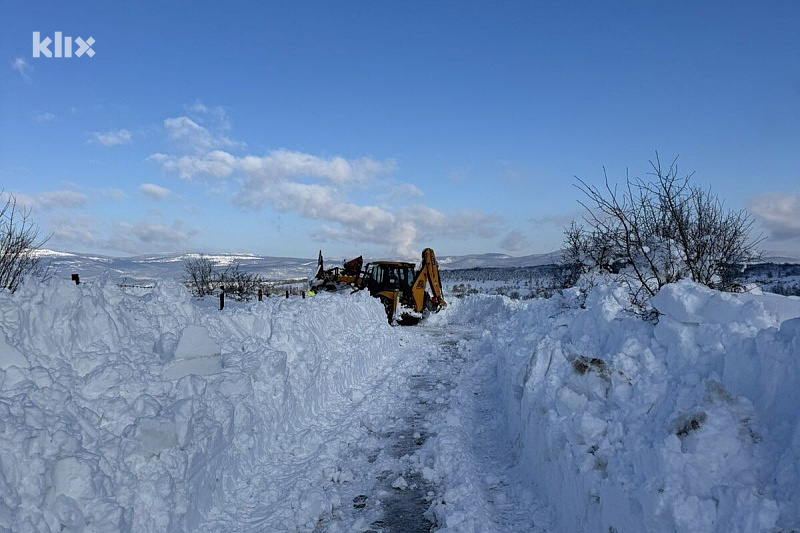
[{"x": 62, "y": 47}]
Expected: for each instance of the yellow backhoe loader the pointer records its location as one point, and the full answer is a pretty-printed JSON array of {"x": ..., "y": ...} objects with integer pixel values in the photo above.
[{"x": 399, "y": 285}]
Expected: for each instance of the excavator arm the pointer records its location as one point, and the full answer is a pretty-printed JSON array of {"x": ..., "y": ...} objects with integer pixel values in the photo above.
[{"x": 428, "y": 275}]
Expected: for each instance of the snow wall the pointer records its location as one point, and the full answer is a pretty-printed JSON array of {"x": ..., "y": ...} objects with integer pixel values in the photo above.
[
  {"x": 689, "y": 425},
  {"x": 146, "y": 413}
]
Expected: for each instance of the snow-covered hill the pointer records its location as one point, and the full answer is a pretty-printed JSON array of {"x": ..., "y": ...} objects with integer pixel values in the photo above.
[
  {"x": 148, "y": 268},
  {"x": 170, "y": 266}
]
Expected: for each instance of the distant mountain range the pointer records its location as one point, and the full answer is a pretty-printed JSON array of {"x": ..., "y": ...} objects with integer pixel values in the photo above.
[{"x": 145, "y": 268}]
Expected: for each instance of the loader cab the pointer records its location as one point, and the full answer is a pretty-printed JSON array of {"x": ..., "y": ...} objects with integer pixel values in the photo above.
[{"x": 389, "y": 276}]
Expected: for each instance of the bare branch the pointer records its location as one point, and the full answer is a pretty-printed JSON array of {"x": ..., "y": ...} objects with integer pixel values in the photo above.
[
  {"x": 20, "y": 238},
  {"x": 662, "y": 229}
]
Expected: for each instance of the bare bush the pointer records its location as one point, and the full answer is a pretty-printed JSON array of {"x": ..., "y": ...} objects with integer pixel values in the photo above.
[
  {"x": 237, "y": 283},
  {"x": 659, "y": 231},
  {"x": 574, "y": 258},
  {"x": 203, "y": 278},
  {"x": 20, "y": 238},
  {"x": 199, "y": 276}
]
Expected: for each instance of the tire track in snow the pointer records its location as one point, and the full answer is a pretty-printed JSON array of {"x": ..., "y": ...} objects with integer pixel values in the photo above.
[
  {"x": 440, "y": 458},
  {"x": 389, "y": 492},
  {"x": 481, "y": 488}
]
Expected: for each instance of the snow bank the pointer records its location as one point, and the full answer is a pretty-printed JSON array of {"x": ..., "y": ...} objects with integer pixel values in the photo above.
[
  {"x": 691, "y": 424},
  {"x": 151, "y": 413}
]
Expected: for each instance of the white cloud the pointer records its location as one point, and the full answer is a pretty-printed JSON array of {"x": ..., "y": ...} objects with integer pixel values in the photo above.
[
  {"x": 112, "y": 138},
  {"x": 148, "y": 237},
  {"x": 287, "y": 163},
  {"x": 43, "y": 116},
  {"x": 262, "y": 172},
  {"x": 515, "y": 241},
  {"x": 138, "y": 237},
  {"x": 203, "y": 112},
  {"x": 216, "y": 164},
  {"x": 400, "y": 230},
  {"x": 277, "y": 165},
  {"x": 188, "y": 135},
  {"x": 71, "y": 231},
  {"x": 197, "y": 107},
  {"x": 316, "y": 187},
  {"x": 65, "y": 199},
  {"x": 455, "y": 224},
  {"x": 154, "y": 191},
  {"x": 404, "y": 192},
  {"x": 149, "y": 232},
  {"x": 280, "y": 179},
  {"x": 779, "y": 212},
  {"x": 22, "y": 67}
]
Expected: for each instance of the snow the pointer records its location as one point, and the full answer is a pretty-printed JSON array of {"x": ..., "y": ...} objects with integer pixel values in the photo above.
[
  {"x": 691, "y": 424},
  {"x": 196, "y": 354},
  {"x": 11, "y": 356},
  {"x": 156, "y": 412},
  {"x": 101, "y": 432},
  {"x": 400, "y": 483}
]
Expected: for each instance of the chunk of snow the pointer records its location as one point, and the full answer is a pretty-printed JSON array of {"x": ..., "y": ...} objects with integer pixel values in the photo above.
[
  {"x": 400, "y": 483},
  {"x": 11, "y": 356},
  {"x": 73, "y": 478},
  {"x": 196, "y": 354}
]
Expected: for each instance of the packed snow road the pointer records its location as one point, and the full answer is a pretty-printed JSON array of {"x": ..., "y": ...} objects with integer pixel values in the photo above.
[{"x": 438, "y": 457}]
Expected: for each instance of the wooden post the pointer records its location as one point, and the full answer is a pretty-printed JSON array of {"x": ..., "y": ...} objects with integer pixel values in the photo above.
[
  {"x": 222, "y": 300},
  {"x": 77, "y": 279},
  {"x": 304, "y": 294},
  {"x": 260, "y": 295},
  {"x": 287, "y": 293}
]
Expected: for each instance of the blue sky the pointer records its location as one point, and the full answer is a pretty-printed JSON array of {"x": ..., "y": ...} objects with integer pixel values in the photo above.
[{"x": 384, "y": 127}]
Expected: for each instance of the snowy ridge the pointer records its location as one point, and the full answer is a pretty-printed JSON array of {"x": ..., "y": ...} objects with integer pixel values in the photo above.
[
  {"x": 151, "y": 413},
  {"x": 170, "y": 265},
  {"x": 149, "y": 268},
  {"x": 690, "y": 425}
]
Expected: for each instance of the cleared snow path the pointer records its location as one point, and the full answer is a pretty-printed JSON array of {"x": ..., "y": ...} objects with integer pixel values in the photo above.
[
  {"x": 438, "y": 458},
  {"x": 474, "y": 457}
]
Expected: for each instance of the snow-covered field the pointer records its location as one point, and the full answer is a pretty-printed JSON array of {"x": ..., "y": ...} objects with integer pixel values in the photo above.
[
  {"x": 149, "y": 411},
  {"x": 148, "y": 268}
]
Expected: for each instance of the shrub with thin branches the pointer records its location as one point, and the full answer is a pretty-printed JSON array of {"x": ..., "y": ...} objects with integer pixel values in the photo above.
[
  {"x": 239, "y": 284},
  {"x": 202, "y": 277},
  {"x": 660, "y": 230},
  {"x": 199, "y": 276},
  {"x": 20, "y": 238}
]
